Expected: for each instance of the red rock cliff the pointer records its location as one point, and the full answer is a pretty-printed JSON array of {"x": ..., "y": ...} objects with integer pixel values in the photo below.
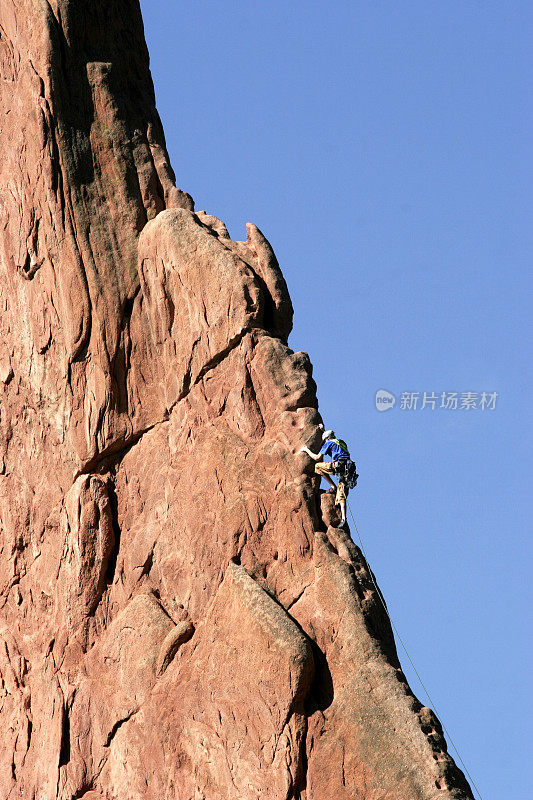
[{"x": 180, "y": 617}]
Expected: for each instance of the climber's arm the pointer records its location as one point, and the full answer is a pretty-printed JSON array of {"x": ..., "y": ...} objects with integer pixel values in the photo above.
[{"x": 314, "y": 456}]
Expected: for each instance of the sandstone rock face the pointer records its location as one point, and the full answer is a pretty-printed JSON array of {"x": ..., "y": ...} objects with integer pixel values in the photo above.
[{"x": 180, "y": 617}]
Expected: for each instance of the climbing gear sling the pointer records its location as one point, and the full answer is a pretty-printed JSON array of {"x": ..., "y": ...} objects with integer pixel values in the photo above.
[
  {"x": 342, "y": 444},
  {"x": 347, "y": 472}
]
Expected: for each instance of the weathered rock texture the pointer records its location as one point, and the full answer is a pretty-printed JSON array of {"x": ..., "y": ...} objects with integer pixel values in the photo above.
[{"x": 180, "y": 617}]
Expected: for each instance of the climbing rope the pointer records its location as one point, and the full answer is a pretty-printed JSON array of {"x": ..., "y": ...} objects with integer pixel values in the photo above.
[{"x": 395, "y": 629}]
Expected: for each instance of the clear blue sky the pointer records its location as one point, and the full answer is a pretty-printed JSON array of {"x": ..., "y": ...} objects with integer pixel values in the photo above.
[{"x": 381, "y": 147}]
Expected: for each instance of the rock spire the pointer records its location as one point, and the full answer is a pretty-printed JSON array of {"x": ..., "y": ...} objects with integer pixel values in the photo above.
[{"x": 180, "y": 617}]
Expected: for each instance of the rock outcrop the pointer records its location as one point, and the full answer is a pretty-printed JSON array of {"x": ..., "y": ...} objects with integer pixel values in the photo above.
[{"x": 180, "y": 617}]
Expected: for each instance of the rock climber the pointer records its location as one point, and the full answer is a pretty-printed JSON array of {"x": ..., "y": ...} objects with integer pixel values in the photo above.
[{"x": 340, "y": 465}]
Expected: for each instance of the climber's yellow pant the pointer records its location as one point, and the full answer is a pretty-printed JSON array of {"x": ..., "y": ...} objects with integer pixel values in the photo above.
[{"x": 328, "y": 468}]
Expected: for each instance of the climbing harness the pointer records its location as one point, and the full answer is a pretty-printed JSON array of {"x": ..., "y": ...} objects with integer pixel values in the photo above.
[
  {"x": 432, "y": 704},
  {"x": 347, "y": 472}
]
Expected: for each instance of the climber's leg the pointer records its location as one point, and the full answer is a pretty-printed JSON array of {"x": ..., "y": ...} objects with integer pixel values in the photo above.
[
  {"x": 340, "y": 500},
  {"x": 325, "y": 469}
]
